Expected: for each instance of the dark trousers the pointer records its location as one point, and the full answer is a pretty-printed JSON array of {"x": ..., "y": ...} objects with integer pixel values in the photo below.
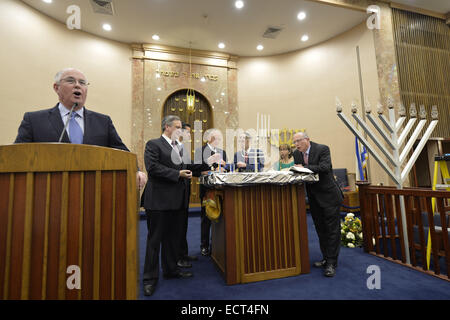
[
  {"x": 183, "y": 240},
  {"x": 205, "y": 226},
  {"x": 328, "y": 226},
  {"x": 163, "y": 235}
]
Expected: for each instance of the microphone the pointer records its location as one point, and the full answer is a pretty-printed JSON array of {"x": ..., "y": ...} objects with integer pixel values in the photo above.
[{"x": 67, "y": 122}]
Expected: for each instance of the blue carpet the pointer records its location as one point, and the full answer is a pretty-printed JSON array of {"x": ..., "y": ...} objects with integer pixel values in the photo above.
[{"x": 397, "y": 282}]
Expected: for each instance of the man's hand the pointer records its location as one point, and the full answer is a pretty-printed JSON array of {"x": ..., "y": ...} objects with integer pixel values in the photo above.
[
  {"x": 187, "y": 174},
  {"x": 299, "y": 165},
  {"x": 241, "y": 164},
  {"x": 141, "y": 178},
  {"x": 215, "y": 158}
]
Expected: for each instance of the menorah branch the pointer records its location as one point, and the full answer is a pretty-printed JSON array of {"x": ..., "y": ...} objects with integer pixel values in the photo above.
[
  {"x": 361, "y": 138},
  {"x": 380, "y": 130},
  {"x": 406, "y": 131},
  {"x": 411, "y": 141},
  {"x": 386, "y": 123},
  {"x": 374, "y": 139},
  {"x": 399, "y": 123},
  {"x": 418, "y": 150}
]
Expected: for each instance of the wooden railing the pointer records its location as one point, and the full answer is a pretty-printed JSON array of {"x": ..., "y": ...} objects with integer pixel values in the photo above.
[{"x": 383, "y": 226}]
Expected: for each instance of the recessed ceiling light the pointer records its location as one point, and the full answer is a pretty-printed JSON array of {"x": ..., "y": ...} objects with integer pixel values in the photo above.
[
  {"x": 48, "y": 1},
  {"x": 239, "y": 4},
  {"x": 221, "y": 45},
  {"x": 107, "y": 27},
  {"x": 301, "y": 15},
  {"x": 155, "y": 37},
  {"x": 259, "y": 47},
  {"x": 305, "y": 38}
]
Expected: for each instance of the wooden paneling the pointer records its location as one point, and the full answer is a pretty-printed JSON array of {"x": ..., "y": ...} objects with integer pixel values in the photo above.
[
  {"x": 120, "y": 236},
  {"x": 265, "y": 233},
  {"x": 51, "y": 219},
  {"x": 87, "y": 281},
  {"x": 5, "y": 219},
  {"x": 423, "y": 57}
]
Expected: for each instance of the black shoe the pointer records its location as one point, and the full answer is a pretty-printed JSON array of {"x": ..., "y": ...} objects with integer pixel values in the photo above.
[
  {"x": 190, "y": 258},
  {"x": 178, "y": 275},
  {"x": 149, "y": 289},
  {"x": 184, "y": 264},
  {"x": 205, "y": 252},
  {"x": 320, "y": 264},
  {"x": 330, "y": 270}
]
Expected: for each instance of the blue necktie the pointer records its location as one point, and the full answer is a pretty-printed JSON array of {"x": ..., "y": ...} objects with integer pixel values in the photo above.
[{"x": 75, "y": 132}]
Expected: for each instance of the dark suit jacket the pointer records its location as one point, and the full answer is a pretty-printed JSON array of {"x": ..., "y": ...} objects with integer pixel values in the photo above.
[
  {"x": 165, "y": 190},
  {"x": 47, "y": 125},
  {"x": 326, "y": 191},
  {"x": 205, "y": 152}
]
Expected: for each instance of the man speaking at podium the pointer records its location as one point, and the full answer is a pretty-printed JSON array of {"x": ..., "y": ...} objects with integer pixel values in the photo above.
[{"x": 83, "y": 126}]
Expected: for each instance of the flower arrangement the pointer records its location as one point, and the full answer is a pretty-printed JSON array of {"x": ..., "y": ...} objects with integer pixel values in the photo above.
[{"x": 351, "y": 231}]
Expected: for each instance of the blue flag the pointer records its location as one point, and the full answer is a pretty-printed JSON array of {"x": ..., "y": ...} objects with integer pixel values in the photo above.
[{"x": 358, "y": 160}]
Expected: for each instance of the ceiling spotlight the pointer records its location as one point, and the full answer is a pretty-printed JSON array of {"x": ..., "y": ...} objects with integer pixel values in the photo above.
[
  {"x": 107, "y": 27},
  {"x": 155, "y": 37},
  {"x": 305, "y": 38},
  {"x": 301, "y": 15},
  {"x": 239, "y": 4},
  {"x": 259, "y": 47},
  {"x": 48, "y": 1},
  {"x": 221, "y": 45}
]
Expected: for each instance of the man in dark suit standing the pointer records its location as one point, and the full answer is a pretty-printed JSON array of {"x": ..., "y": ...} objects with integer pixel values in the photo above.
[
  {"x": 208, "y": 152},
  {"x": 84, "y": 127},
  {"x": 325, "y": 199},
  {"x": 165, "y": 201}
]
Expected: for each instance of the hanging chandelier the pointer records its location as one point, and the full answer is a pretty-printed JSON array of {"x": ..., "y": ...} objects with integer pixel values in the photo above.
[{"x": 190, "y": 94}]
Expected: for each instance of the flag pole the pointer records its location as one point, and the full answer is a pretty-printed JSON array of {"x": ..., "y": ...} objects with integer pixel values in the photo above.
[{"x": 363, "y": 106}]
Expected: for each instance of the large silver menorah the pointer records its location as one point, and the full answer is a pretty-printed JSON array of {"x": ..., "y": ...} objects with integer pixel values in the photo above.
[{"x": 394, "y": 138}]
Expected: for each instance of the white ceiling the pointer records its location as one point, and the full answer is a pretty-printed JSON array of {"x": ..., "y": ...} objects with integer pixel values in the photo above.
[{"x": 205, "y": 23}]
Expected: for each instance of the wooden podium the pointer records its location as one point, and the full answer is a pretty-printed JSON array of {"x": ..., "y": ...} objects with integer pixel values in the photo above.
[
  {"x": 261, "y": 233},
  {"x": 65, "y": 205}
]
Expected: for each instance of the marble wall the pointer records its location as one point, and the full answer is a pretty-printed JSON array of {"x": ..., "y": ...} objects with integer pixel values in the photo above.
[{"x": 159, "y": 72}]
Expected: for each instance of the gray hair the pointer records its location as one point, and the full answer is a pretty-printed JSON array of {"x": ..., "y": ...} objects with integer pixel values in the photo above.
[
  {"x": 304, "y": 134},
  {"x": 59, "y": 75},
  {"x": 213, "y": 132},
  {"x": 168, "y": 120}
]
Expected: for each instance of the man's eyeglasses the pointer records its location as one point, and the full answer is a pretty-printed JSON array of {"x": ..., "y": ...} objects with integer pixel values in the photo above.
[
  {"x": 298, "y": 140},
  {"x": 71, "y": 80}
]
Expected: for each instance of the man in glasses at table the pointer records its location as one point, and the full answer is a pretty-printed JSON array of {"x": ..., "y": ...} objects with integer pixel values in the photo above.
[{"x": 83, "y": 127}]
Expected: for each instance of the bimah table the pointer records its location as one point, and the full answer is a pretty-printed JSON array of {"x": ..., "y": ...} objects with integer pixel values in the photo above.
[{"x": 261, "y": 232}]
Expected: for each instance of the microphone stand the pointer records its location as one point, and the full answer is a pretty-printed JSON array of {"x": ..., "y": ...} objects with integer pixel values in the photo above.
[{"x": 67, "y": 122}]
